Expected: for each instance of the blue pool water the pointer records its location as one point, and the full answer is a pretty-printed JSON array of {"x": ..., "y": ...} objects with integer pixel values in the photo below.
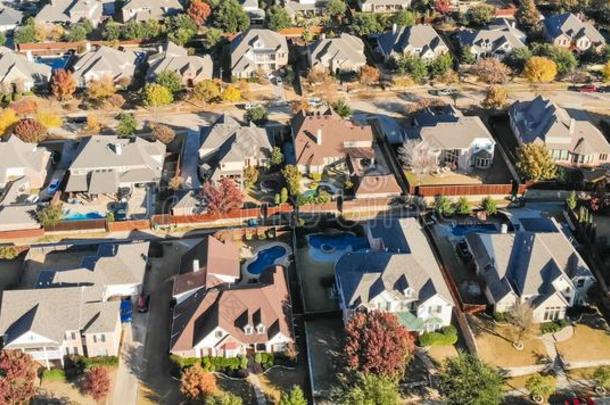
[
  {"x": 77, "y": 216},
  {"x": 55, "y": 63},
  {"x": 338, "y": 242},
  {"x": 265, "y": 258},
  {"x": 461, "y": 230}
]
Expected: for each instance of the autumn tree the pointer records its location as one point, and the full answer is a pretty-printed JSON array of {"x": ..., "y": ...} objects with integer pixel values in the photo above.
[
  {"x": 224, "y": 197},
  {"x": 231, "y": 94},
  {"x": 207, "y": 91},
  {"x": 17, "y": 377},
  {"x": 417, "y": 157},
  {"x": 541, "y": 387},
  {"x": 163, "y": 133},
  {"x": 63, "y": 85},
  {"x": 467, "y": 380},
  {"x": 101, "y": 89},
  {"x": 490, "y": 70},
  {"x": 199, "y": 11},
  {"x": 534, "y": 162},
  {"x": 49, "y": 119},
  {"x": 156, "y": 95},
  {"x": 8, "y": 117},
  {"x": 443, "y": 6},
  {"x": 97, "y": 383},
  {"x": 50, "y": 215},
  {"x": 528, "y": 15},
  {"x": 300, "y": 105},
  {"x": 251, "y": 175},
  {"x": 369, "y": 75},
  {"x": 539, "y": 69},
  {"x": 197, "y": 384},
  {"x": 521, "y": 323},
  {"x": 277, "y": 157},
  {"x": 606, "y": 72},
  {"x": 93, "y": 124},
  {"x": 170, "y": 80},
  {"x": 495, "y": 97},
  {"x": 30, "y": 130},
  {"x": 292, "y": 177},
  {"x": 377, "y": 343}
]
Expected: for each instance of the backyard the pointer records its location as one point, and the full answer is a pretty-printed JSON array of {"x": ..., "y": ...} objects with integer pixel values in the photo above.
[
  {"x": 324, "y": 345},
  {"x": 597, "y": 347}
]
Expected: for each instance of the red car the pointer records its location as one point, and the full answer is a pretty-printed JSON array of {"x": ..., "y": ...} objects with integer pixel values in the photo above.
[
  {"x": 143, "y": 301},
  {"x": 588, "y": 88}
]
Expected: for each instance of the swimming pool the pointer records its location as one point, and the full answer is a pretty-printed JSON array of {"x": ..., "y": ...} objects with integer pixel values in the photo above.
[
  {"x": 79, "y": 216},
  {"x": 266, "y": 258},
  {"x": 59, "y": 62},
  {"x": 462, "y": 230},
  {"x": 340, "y": 241}
]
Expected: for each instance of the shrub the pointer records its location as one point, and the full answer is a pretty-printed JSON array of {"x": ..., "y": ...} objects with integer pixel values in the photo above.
[
  {"x": 30, "y": 130},
  {"x": 552, "y": 327},
  {"x": 264, "y": 359},
  {"x": 446, "y": 336},
  {"x": 8, "y": 252},
  {"x": 224, "y": 364},
  {"x": 500, "y": 316},
  {"x": 55, "y": 374}
]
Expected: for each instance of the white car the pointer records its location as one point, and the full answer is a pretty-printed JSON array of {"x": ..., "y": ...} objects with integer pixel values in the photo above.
[{"x": 278, "y": 81}]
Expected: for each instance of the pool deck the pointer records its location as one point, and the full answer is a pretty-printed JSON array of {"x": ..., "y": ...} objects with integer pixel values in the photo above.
[{"x": 284, "y": 260}]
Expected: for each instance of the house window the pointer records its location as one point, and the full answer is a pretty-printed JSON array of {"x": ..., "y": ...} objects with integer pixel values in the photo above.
[
  {"x": 248, "y": 330},
  {"x": 552, "y": 313},
  {"x": 103, "y": 338},
  {"x": 94, "y": 339},
  {"x": 482, "y": 162},
  {"x": 603, "y": 157},
  {"x": 218, "y": 334},
  {"x": 73, "y": 335},
  {"x": 67, "y": 351},
  {"x": 580, "y": 283},
  {"x": 260, "y": 329},
  {"x": 388, "y": 306}
]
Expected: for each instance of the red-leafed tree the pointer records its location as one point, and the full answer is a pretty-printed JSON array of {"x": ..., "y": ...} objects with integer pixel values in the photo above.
[
  {"x": 443, "y": 6},
  {"x": 97, "y": 383},
  {"x": 377, "y": 343},
  {"x": 197, "y": 384},
  {"x": 224, "y": 197},
  {"x": 199, "y": 11},
  {"x": 30, "y": 130},
  {"x": 17, "y": 377},
  {"x": 63, "y": 85}
]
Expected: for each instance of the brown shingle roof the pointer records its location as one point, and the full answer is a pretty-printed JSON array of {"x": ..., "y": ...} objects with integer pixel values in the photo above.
[
  {"x": 336, "y": 132},
  {"x": 232, "y": 308}
]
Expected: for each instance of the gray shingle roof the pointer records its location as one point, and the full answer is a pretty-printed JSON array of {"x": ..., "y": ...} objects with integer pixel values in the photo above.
[
  {"x": 346, "y": 47},
  {"x": 52, "y": 312},
  {"x": 407, "y": 262},
  {"x": 147, "y": 9},
  {"x": 69, "y": 11},
  {"x": 15, "y": 66},
  {"x": 492, "y": 39},
  {"x": 19, "y": 155},
  {"x": 570, "y": 25},
  {"x": 105, "y": 61},
  {"x": 10, "y": 16},
  {"x": 244, "y": 43},
  {"x": 455, "y": 135},
  {"x": 176, "y": 59},
  {"x": 417, "y": 40}
]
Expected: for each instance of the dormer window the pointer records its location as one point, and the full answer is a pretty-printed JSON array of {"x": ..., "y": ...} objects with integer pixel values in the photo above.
[
  {"x": 248, "y": 329},
  {"x": 260, "y": 328}
]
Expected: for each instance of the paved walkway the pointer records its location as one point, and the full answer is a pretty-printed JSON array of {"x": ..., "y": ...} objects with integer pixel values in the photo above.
[
  {"x": 549, "y": 345},
  {"x": 258, "y": 390}
]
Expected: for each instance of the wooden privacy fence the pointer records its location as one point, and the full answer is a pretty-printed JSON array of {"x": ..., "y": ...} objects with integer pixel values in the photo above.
[{"x": 464, "y": 189}]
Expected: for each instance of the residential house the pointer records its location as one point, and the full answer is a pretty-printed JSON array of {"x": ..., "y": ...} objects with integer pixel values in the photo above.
[
  {"x": 455, "y": 141},
  {"x": 174, "y": 58},
  {"x": 571, "y": 32},
  {"x": 120, "y": 65},
  {"x": 20, "y": 159},
  {"x": 68, "y": 12},
  {"x": 322, "y": 141},
  {"x": 144, "y": 10},
  {"x": 258, "y": 51},
  {"x": 497, "y": 40},
  {"x": 304, "y": 9},
  {"x": 256, "y": 14},
  {"x": 399, "y": 275},
  {"x": 228, "y": 147},
  {"x": 571, "y": 142},
  {"x": 50, "y": 324},
  {"x": 234, "y": 320},
  {"x": 383, "y": 6},
  {"x": 105, "y": 164},
  {"x": 208, "y": 264},
  {"x": 9, "y": 18},
  {"x": 188, "y": 202},
  {"x": 18, "y": 217},
  {"x": 420, "y": 40},
  {"x": 541, "y": 269},
  {"x": 344, "y": 53},
  {"x": 18, "y": 74},
  {"x": 116, "y": 270}
]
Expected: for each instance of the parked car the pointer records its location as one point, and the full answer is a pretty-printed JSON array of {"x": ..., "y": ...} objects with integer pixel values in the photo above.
[
  {"x": 314, "y": 102},
  {"x": 53, "y": 186},
  {"x": 126, "y": 310},
  {"x": 279, "y": 81},
  {"x": 143, "y": 301},
  {"x": 588, "y": 88},
  {"x": 448, "y": 91},
  {"x": 463, "y": 251},
  {"x": 33, "y": 199}
]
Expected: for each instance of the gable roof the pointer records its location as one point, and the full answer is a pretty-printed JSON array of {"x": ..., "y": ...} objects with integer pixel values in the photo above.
[
  {"x": 571, "y": 26},
  {"x": 493, "y": 37},
  {"x": 231, "y": 309},
  {"x": 105, "y": 61},
  {"x": 15, "y": 66},
  {"x": 176, "y": 59},
  {"x": 525, "y": 263},
  {"x": 420, "y": 37},
  {"x": 152, "y": 8},
  {"x": 338, "y": 136},
  {"x": 114, "y": 264},
  {"x": 17, "y": 154},
  {"x": 10, "y": 16},
  {"x": 51, "y": 312},
  {"x": 243, "y": 44},
  {"x": 69, "y": 11},
  {"x": 460, "y": 134},
  {"x": 346, "y": 47},
  {"x": 405, "y": 260},
  {"x": 228, "y": 141}
]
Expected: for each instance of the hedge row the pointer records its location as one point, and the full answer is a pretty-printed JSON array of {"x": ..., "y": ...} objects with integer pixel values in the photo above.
[
  {"x": 264, "y": 359},
  {"x": 224, "y": 363},
  {"x": 552, "y": 327},
  {"x": 446, "y": 336}
]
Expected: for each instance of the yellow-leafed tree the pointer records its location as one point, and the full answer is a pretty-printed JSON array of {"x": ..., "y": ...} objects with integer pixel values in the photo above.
[
  {"x": 540, "y": 70},
  {"x": 8, "y": 117}
]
